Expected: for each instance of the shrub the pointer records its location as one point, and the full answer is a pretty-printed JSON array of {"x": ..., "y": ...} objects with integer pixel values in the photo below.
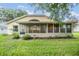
[
  {"x": 4, "y": 34},
  {"x": 26, "y": 37},
  {"x": 69, "y": 36},
  {"x": 15, "y": 36},
  {"x": 50, "y": 37}
]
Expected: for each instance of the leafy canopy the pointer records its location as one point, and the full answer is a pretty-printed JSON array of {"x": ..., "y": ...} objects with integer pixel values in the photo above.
[
  {"x": 10, "y": 14},
  {"x": 58, "y": 11}
]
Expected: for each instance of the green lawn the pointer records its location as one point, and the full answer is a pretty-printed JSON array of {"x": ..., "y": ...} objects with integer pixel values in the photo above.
[
  {"x": 76, "y": 34},
  {"x": 38, "y": 47}
]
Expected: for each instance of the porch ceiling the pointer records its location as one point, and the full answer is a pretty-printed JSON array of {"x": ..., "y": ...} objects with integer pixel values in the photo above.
[
  {"x": 37, "y": 22},
  {"x": 24, "y": 22}
]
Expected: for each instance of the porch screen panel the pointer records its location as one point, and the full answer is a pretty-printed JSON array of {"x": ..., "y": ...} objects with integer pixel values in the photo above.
[
  {"x": 43, "y": 28},
  {"x": 56, "y": 28},
  {"x": 35, "y": 28},
  {"x": 68, "y": 28},
  {"x": 62, "y": 28},
  {"x": 50, "y": 28}
]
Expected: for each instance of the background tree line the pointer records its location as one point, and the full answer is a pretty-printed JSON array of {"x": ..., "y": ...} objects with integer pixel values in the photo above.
[
  {"x": 58, "y": 11},
  {"x": 10, "y": 14}
]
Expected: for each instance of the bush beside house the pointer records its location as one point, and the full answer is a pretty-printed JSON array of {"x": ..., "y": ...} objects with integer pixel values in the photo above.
[
  {"x": 15, "y": 36},
  {"x": 26, "y": 37}
]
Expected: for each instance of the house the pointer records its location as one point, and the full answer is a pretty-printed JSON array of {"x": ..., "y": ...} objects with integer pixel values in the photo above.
[
  {"x": 39, "y": 26},
  {"x": 76, "y": 27},
  {"x": 3, "y": 26}
]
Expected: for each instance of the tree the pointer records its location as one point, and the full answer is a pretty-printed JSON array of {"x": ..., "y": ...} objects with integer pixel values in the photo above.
[
  {"x": 58, "y": 11},
  {"x": 11, "y": 13}
]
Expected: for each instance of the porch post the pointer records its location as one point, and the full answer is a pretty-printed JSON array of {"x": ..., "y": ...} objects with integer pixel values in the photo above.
[
  {"x": 65, "y": 29},
  {"x": 47, "y": 28},
  {"x": 19, "y": 29},
  {"x": 53, "y": 27},
  {"x": 59, "y": 28},
  {"x": 24, "y": 28},
  {"x": 27, "y": 28},
  {"x": 72, "y": 27}
]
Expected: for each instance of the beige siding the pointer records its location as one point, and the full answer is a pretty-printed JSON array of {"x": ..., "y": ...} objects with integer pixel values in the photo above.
[
  {"x": 41, "y": 19},
  {"x": 10, "y": 27},
  {"x": 49, "y": 34},
  {"x": 25, "y": 19}
]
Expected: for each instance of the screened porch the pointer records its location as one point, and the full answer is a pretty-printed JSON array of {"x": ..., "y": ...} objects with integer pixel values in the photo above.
[{"x": 45, "y": 28}]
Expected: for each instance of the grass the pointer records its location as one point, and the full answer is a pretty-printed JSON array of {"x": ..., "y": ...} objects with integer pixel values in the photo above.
[
  {"x": 38, "y": 47},
  {"x": 76, "y": 34}
]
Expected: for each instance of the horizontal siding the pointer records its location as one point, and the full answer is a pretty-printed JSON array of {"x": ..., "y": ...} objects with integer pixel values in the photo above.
[{"x": 48, "y": 34}]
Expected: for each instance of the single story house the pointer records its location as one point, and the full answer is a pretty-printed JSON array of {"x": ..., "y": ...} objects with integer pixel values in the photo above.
[
  {"x": 3, "y": 26},
  {"x": 39, "y": 26},
  {"x": 76, "y": 27}
]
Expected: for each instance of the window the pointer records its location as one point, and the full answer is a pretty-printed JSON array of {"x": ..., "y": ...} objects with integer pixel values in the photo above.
[
  {"x": 62, "y": 28},
  {"x": 15, "y": 28}
]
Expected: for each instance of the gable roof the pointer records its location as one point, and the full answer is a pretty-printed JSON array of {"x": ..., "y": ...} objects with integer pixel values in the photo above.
[
  {"x": 71, "y": 21},
  {"x": 18, "y": 18}
]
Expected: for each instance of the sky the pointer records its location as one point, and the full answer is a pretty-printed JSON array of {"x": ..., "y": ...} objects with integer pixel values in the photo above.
[{"x": 30, "y": 9}]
